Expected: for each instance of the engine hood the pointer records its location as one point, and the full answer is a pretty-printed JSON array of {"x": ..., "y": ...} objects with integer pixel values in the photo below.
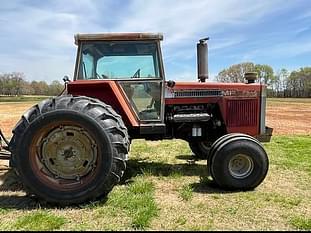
[{"x": 212, "y": 89}]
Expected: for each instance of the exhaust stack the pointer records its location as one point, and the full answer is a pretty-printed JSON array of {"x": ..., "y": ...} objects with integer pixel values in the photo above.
[{"x": 202, "y": 59}]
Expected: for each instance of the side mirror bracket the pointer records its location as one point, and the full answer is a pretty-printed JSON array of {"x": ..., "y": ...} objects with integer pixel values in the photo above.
[
  {"x": 170, "y": 83},
  {"x": 66, "y": 79}
]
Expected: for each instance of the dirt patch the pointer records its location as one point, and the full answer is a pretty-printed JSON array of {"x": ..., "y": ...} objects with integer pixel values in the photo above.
[
  {"x": 10, "y": 114},
  {"x": 288, "y": 117},
  {"x": 285, "y": 116}
]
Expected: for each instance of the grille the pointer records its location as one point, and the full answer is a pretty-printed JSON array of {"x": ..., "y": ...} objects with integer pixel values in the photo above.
[
  {"x": 196, "y": 93},
  {"x": 242, "y": 113}
]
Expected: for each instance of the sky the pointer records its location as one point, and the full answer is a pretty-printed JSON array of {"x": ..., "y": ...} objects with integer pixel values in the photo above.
[{"x": 37, "y": 37}]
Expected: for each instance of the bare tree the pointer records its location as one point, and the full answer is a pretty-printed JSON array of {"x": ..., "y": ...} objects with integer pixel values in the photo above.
[{"x": 235, "y": 73}]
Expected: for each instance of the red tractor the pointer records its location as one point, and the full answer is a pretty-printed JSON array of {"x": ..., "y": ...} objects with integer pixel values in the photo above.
[{"x": 73, "y": 148}]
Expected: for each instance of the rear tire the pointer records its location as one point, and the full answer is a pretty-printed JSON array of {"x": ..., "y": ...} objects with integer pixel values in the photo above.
[
  {"x": 68, "y": 150},
  {"x": 238, "y": 162}
]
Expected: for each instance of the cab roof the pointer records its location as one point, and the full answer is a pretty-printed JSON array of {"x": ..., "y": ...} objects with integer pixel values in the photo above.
[{"x": 117, "y": 37}]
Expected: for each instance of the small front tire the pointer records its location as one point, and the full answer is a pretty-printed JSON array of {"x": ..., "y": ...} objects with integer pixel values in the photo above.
[{"x": 239, "y": 163}]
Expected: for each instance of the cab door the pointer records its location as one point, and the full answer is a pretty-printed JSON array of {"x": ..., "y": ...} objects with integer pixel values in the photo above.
[
  {"x": 145, "y": 97},
  {"x": 136, "y": 66}
]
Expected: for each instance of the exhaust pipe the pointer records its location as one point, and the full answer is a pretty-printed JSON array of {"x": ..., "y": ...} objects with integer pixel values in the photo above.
[{"x": 202, "y": 59}]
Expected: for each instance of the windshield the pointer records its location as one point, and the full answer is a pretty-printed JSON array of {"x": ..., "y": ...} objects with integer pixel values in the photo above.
[{"x": 118, "y": 60}]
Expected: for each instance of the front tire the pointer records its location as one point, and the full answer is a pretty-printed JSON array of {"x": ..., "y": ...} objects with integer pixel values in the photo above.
[
  {"x": 68, "y": 150},
  {"x": 238, "y": 163}
]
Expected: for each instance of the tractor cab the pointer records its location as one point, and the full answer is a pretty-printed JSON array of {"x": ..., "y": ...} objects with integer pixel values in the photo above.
[{"x": 133, "y": 61}]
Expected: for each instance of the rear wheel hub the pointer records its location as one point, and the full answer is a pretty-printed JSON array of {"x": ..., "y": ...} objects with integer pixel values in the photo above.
[{"x": 68, "y": 152}]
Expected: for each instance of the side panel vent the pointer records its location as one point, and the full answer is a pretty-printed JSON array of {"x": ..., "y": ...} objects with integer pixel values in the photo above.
[
  {"x": 196, "y": 93},
  {"x": 242, "y": 113}
]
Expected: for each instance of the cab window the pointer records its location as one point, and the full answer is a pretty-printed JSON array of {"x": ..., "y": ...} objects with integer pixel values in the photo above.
[{"x": 119, "y": 60}]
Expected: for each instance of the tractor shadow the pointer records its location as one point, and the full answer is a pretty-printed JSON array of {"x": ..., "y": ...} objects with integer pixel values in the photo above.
[
  {"x": 13, "y": 195},
  {"x": 136, "y": 167}
]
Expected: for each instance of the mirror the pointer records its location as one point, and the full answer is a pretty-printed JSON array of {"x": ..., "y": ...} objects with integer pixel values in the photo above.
[{"x": 66, "y": 79}]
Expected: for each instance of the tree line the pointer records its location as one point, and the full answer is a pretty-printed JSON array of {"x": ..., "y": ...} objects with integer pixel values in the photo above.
[
  {"x": 15, "y": 84},
  {"x": 281, "y": 83}
]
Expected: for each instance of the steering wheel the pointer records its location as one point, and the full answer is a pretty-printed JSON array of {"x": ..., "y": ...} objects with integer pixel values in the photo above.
[{"x": 136, "y": 74}]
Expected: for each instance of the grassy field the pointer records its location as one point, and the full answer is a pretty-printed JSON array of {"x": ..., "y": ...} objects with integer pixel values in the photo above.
[
  {"x": 165, "y": 189},
  {"x": 22, "y": 98}
]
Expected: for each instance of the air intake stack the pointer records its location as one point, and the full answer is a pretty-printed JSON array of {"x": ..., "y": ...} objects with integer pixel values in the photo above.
[
  {"x": 251, "y": 77},
  {"x": 202, "y": 59}
]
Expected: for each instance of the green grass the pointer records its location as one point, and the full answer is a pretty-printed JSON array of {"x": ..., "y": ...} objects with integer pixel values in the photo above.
[
  {"x": 186, "y": 192},
  {"x": 136, "y": 200},
  {"x": 301, "y": 223},
  {"x": 284, "y": 201},
  {"x": 291, "y": 152},
  {"x": 3, "y": 211},
  {"x": 162, "y": 190},
  {"x": 39, "y": 221},
  {"x": 23, "y": 98}
]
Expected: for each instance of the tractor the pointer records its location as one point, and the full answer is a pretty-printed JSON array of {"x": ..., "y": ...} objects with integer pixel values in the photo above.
[{"x": 73, "y": 148}]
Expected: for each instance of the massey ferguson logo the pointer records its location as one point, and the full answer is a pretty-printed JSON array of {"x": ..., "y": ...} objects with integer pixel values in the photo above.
[{"x": 251, "y": 93}]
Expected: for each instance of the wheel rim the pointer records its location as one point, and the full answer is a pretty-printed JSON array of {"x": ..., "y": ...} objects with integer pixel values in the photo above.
[
  {"x": 68, "y": 152},
  {"x": 64, "y": 156},
  {"x": 240, "y": 166}
]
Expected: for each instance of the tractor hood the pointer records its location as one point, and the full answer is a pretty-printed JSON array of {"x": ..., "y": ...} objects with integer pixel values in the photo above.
[
  {"x": 241, "y": 105},
  {"x": 213, "y": 89}
]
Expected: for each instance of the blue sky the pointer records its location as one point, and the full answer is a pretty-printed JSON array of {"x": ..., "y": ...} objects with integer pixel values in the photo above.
[{"x": 37, "y": 37}]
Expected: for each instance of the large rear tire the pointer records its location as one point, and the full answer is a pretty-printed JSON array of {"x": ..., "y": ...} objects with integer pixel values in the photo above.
[{"x": 69, "y": 150}]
